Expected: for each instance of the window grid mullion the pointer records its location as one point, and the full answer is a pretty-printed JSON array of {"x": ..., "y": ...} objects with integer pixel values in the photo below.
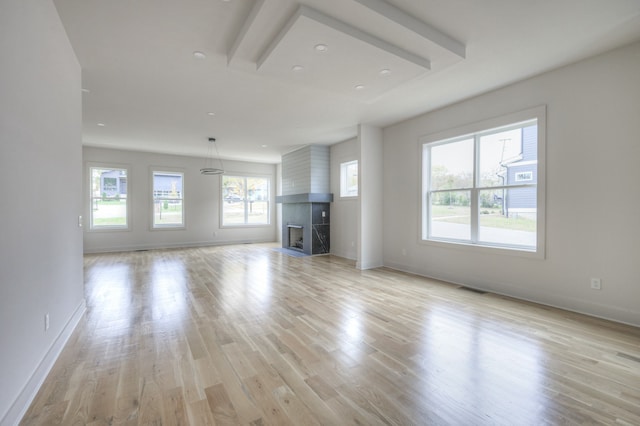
[{"x": 474, "y": 191}]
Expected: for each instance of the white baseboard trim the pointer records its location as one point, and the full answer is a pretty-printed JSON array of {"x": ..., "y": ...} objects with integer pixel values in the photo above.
[
  {"x": 193, "y": 244},
  {"x": 579, "y": 306},
  {"x": 30, "y": 390}
]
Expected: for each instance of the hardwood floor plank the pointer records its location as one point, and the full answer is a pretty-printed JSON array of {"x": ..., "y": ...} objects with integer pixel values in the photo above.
[
  {"x": 220, "y": 405},
  {"x": 175, "y": 412},
  {"x": 200, "y": 413},
  {"x": 247, "y": 335}
]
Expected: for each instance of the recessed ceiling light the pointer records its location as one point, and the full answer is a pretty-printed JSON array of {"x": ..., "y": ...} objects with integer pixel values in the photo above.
[
  {"x": 101, "y": 124},
  {"x": 359, "y": 87},
  {"x": 321, "y": 47},
  {"x": 199, "y": 55},
  {"x": 264, "y": 146},
  {"x": 297, "y": 68},
  {"x": 385, "y": 72},
  {"x": 211, "y": 114}
]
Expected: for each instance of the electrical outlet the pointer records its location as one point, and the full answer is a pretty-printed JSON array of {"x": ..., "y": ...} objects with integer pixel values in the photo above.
[
  {"x": 46, "y": 322},
  {"x": 79, "y": 221},
  {"x": 596, "y": 284}
]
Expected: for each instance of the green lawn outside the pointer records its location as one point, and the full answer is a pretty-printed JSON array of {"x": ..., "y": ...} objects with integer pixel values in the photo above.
[{"x": 492, "y": 219}]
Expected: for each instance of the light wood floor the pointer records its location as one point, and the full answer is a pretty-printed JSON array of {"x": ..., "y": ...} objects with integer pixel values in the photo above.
[{"x": 248, "y": 335}]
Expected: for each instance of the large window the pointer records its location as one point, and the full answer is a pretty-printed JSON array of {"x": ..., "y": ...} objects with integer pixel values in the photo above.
[
  {"x": 483, "y": 188},
  {"x": 349, "y": 179},
  {"x": 245, "y": 200},
  {"x": 168, "y": 199},
  {"x": 108, "y": 198}
]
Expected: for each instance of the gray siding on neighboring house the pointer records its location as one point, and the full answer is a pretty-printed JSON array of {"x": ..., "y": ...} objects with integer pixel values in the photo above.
[
  {"x": 524, "y": 199},
  {"x": 165, "y": 184},
  {"x": 115, "y": 184}
]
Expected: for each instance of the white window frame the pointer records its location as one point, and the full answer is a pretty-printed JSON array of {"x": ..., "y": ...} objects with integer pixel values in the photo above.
[
  {"x": 245, "y": 200},
  {"x": 344, "y": 168},
  {"x": 108, "y": 166},
  {"x": 479, "y": 128},
  {"x": 169, "y": 171}
]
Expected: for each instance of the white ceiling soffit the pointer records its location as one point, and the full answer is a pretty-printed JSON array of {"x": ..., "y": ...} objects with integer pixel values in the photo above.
[
  {"x": 410, "y": 22},
  {"x": 378, "y": 66},
  {"x": 241, "y": 36}
]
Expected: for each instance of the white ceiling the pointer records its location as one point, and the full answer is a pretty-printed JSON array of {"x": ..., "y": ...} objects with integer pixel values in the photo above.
[{"x": 143, "y": 83}]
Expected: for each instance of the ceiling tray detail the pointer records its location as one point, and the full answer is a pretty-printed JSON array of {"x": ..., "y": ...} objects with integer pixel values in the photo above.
[{"x": 322, "y": 52}]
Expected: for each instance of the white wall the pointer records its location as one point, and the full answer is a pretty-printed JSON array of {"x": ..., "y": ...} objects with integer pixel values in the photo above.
[
  {"x": 371, "y": 172},
  {"x": 41, "y": 171},
  {"x": 202, "y": 203},
  {"x": 344, "y": 211},
  {"x": 593, "y": 154}
]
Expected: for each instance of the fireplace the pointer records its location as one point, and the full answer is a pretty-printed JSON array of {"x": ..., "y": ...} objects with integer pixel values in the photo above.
[
  {"x": 305, "y": 199},
  {"x": 306, "y": 222},
  {"x": 296, "y": 237}
]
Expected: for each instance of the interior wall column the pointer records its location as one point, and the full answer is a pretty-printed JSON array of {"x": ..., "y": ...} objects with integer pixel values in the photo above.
[{"x": 370, "y": 170}]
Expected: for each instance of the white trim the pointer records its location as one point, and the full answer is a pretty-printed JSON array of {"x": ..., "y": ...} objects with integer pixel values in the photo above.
[
  {"x": 474, "y": 130},
  {"x": 169, "y": 171},
  {"x": 186, "y": 244},
  {"x": 580, "y": 306},
  {"x": 88, "y": 178},
  {"x": 343, "y": 178},
  {"x": 270, "y": 201},
  {"x": 30, "y": 390}
]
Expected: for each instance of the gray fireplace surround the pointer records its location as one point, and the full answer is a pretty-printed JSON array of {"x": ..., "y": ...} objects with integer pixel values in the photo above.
[{"x": 306, "y": 219}]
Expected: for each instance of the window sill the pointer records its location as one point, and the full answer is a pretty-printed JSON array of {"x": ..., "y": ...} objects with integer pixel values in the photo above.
[{"x": 480, "y": 248}]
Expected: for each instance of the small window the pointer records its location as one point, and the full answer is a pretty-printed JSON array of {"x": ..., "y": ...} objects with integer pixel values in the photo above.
[
  {"x": 108, "y": 198},
  {"x": 245, "y": 201},
  {"x": 483, "y": 188},
  {"x": 168, "y": 199},
  {"x": 349, "y": 179},
  {"x": 524, "y": 176}
]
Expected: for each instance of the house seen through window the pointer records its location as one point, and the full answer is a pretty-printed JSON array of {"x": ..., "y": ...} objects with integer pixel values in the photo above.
[{"x": 108, "y": 198}]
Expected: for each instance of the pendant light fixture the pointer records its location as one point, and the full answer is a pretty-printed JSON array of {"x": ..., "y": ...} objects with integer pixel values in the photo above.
[{"x": 208, "y": 168}]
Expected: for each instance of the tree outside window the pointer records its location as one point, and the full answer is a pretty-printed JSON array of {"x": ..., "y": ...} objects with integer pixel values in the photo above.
[
  {"x": 245, "y": 200},
  {"x": 482, "y": 188}
]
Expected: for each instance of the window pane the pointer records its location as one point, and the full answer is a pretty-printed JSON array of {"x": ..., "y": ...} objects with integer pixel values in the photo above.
[
  {"x": 257, "y": 189},
  {"x": 258, "y": 212},
  {"x": 233, "y": 188},
  {"x": 108, "y": 198},
  {"x": 258, "y": 201},
  {"x": 349, "y": 179},
  {"x": 167, "y": 212},
  {"x": 168, "y": 199},
  {"x": 245, "y": 200},
  {"x": 452, "y": 165},
  {"x": 109, "y": 212},
  {"x": 451, "y": 215},
  {"x": 509, "y": 158},
  {"x": 508, "y": 216}
]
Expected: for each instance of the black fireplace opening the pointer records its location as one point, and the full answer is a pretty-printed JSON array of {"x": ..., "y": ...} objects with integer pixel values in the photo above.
[{"x": 296, "y": 237}]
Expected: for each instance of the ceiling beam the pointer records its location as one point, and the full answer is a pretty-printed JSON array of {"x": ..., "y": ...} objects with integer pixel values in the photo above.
[
  {"x": 345, "y": 29},
  {"x": 412, "y": 23},
  {"x": 240, "y": 37}
]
